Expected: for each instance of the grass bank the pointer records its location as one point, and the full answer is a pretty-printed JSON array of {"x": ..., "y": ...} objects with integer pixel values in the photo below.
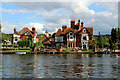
[{"x": 16, "y": 51}]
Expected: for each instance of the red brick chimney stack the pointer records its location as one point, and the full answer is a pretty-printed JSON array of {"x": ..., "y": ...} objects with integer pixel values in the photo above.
[
  {"x": 81, "y": 25},
  {"x": 15, "y": 29},
  {"x": 64, "y": 27},
  {"x": 33, "y": 28},
  {"x": 72, "y": 23}
]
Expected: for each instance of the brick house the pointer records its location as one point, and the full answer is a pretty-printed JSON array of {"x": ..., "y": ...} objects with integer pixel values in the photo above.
[
  {"x": 24, "y": 34},
  {"x": 75, "y": 36}
]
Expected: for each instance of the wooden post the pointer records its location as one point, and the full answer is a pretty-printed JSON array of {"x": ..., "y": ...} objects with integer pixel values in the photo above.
[
  {"x": 95, "y": 49},
  {"x": 35, "y": 49}
]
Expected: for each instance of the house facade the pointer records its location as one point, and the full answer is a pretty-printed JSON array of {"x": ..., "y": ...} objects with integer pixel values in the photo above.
[
  {"x": 74, "y": 36},
  {"x": 24, "y": 34}
]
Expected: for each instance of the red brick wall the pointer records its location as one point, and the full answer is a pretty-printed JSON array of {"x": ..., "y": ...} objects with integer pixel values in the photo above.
[{"x": 78, "y": 40}]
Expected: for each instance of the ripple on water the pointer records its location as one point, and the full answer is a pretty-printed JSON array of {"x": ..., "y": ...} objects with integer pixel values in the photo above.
[{"x": 60, "y": 66}]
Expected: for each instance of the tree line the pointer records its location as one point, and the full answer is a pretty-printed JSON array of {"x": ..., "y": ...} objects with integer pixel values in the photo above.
[{"x": 101, "y": 41}]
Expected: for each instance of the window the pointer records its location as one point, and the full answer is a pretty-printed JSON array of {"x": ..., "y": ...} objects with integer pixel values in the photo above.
[
  {"x": 84, "y": 46},
  {"x": 71, "y": 35},
  {"x": 27, "y": 33},
  {"x": 69, "y": 45},
  {"x": 84, "y": 30},
  {"x": 15, "y": 39},
  {"x": 84, "y": 38},
  {"x": 73, "y": 45},
  {"x": 59, "y": 39},
  {"x": 83, "y": 42}
]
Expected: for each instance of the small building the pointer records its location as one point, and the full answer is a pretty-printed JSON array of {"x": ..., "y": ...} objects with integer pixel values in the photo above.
[
  {"x": 24, "y": 34},
  {"x": 75, "y": 36}
]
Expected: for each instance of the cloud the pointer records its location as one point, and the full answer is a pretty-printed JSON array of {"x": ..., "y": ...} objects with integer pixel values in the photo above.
[
  {"x": 39, "y": 27},
  {"x": 9, "y": 27},
  {"x": 47, "y": 11},
  {"x": 14, "y": 11}
]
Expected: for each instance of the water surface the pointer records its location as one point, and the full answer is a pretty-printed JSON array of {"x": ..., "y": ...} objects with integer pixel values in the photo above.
[{"x": 60, "y": 65}]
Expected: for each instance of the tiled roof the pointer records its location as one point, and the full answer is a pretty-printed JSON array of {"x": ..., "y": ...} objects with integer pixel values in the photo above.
[
  {"x": 76, "y": 24},
  {"x": 90, "y": 29},
  {"x": 68, "y": 30},
  {"x": 44, "y": 38},
  {"x": 59, "y": 33},
  {"x": 47, "y": 42},
  {"x": 24, "y": 30}
]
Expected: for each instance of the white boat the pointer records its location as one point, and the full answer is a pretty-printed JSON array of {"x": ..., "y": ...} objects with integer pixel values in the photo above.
[{"x": 20, "y": 52}]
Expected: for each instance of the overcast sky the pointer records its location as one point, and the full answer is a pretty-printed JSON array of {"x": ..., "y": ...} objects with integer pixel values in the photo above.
[{"x": 51, "y": 16}]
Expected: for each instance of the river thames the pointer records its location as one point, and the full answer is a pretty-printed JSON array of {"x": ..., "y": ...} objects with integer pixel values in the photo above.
[{"x": 60, "y": 65}]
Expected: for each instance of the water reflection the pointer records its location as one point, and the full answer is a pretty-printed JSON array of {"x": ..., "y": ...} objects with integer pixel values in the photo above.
[{"x": 60, "y": 65}]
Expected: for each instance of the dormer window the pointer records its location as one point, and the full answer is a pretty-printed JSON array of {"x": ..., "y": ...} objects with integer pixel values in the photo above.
[
  {"x": 84, "y": 30},
  {"x": 27, "y": 33}
]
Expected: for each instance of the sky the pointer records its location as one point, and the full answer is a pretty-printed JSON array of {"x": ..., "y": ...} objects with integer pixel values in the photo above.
[{"x": 50, "y": 16}]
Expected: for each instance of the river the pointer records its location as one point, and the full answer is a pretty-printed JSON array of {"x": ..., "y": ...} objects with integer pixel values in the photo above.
[{"x": 60, "y": 65}]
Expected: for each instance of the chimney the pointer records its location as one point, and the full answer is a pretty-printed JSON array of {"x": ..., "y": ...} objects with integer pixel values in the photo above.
[
  {"x": 79, "y": 22},
  {"x": 64, "y": 27},
  {"x": 33, "y": 28},
  {"x": 72, "y": 23},
  {"x": 81, "y": 25},
  {"x": 15, "y": 29}
]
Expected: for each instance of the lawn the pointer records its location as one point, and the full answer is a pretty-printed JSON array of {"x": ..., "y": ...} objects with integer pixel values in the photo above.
[
  {"x": 15, "y": 50},
  {"x": 90, "y": 50},
  {"x": 70, "y": 50}
]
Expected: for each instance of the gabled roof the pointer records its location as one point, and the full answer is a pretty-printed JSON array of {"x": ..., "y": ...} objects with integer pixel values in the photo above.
[
  {"x": 24, "y": 30},
  {"x": 47, "y": 42},
  {"x": 59, "y": 33},
  {"x": 68, "y": 30},
  {"x": 90, "y": 29}
]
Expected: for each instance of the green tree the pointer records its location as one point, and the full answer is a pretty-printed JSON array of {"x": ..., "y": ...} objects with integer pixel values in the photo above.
[
  {"x": 101, "y": 41},
  {"x": 113, "y": 35},
  {"x": 119, "y": 34},
  {"x": 111, "y": 44},
  {"x": 0, "y": 27}
]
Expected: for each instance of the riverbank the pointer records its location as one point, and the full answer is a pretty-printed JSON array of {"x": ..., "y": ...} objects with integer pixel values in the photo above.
[{"x": 62, "y": 53}]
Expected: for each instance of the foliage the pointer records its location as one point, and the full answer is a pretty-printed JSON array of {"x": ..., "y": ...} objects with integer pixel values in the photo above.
[
  {"x": 15, "y": 51},
  {"x": 0, "y": 27},
  {"x": 115, "y": 36},
  {"x": 4, "y": 36},
  {"x": 100, "y": 40}
]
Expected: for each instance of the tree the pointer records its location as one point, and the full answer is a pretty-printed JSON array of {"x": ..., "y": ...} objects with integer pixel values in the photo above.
[
  {"x": 0, "y": 27},
  {"x": 100, "y": 40},
  {"x": 119, "y": 34},
  {"x": 113, "y": 35},
  {"x": 111, "y": 44}
]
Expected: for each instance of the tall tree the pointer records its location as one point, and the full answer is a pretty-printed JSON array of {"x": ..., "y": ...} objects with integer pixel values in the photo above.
[
  {"x": 0, "y": 27},
  {"x": 100, "y": 40},
  {"x": 119, "y": 34},
  {"x": 113, "y": 35}
]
